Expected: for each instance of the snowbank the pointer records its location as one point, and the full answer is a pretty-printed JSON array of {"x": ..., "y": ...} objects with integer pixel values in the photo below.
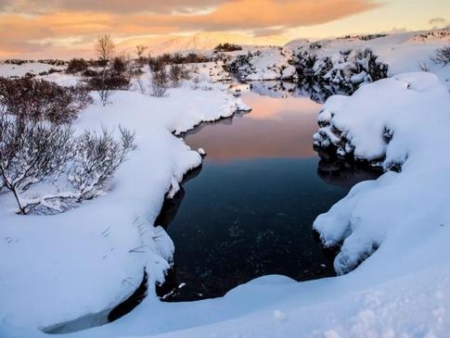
[{"x": 401, "y": 122}]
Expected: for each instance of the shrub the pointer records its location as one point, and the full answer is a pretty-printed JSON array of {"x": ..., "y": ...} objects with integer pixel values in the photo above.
[
  {"x": 119, "y": 65},
  {"x": 38, "y": 100},
  {"x": 105, "y": 82},
  {"x": 227, "y": 47},
  {"x": 30, "y": 152},
  {"x": 442, "y": 56},
  {"x": 77, "y": 66},
  {"x": 96, "y": 159},
  {"x": 159, "y": 83},
  {"x": 177, "y": 73},
  {"x": 117, "y": 76},
  {"x": 156, "y": 63}
]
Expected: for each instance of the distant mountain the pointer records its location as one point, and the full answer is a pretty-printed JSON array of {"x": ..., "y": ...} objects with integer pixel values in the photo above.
[{"x": 200, "y": 42}]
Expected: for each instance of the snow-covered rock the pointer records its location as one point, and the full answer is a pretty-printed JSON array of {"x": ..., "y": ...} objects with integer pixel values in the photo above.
[{"x": 402, "y": 122}]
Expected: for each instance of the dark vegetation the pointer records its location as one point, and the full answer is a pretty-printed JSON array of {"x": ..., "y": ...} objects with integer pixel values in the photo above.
[
  {"x": 363, "y": 37},
  {"x": 442, "y": 56},
  {"x": 178, "y": 58},
  {"x": 227, "y": 47},
  {"x": 39, "y": 100}
]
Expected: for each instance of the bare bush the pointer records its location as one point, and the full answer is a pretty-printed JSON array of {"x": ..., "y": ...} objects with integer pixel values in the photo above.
[
  {"x": 115, "y": 75},
  {"x": 177, "y": 73},
  {"x": 39, "y": 100},
  {"x": 159, "y": 83},
  {"x": 107, "y": 81},
  {"x": 442, "y": 56},
  {"x": 96, "y": 158},
  {"x": 156, "y": 63},
  {"x": 77, "y": 66},
  {"x": 227, "y": 47},
  {"x": 119, "y": 65},
  {"x": 30, "y": 152}
]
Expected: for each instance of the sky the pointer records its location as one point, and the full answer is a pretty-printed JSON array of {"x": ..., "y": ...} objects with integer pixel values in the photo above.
[{"x": 60, "y": 27}]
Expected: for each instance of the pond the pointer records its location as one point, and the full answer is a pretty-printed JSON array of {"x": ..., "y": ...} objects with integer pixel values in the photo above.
[{"x": 248, "y": 211}]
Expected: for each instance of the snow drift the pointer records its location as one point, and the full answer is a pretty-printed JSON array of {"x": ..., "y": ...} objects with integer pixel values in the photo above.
[{"x": 400, "y": 123}]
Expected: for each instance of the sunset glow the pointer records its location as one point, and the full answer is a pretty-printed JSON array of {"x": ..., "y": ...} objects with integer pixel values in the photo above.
[{"x": 68, "y": 28}]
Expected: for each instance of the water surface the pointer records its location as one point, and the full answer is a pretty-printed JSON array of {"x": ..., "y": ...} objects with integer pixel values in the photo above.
[{"x": 248, "y": 212}]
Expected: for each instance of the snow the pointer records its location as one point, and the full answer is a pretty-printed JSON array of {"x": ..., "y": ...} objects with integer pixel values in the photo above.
[
  {"x": 414, "y": 107},
  {"x": 403, "y": 52},
  {"x": 90, "y": 258},
  {"x": 35, "y": 68},
  {"x": 395, "y": 229}
]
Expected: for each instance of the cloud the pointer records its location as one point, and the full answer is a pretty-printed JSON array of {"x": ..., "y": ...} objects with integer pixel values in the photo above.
[
  {"x": 437, "y": 22},
  {"x": 87, "y": 19},
  {"x": 110, "y": 6},
  {"x": 269, "y": 32}
]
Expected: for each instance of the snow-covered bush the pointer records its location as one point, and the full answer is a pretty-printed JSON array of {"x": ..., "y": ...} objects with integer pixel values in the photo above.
[
  {"x": 96, "y": 158},
  {"x": 39, "y": 100},
  {"x": 342, "y": 73},
  {"x": 442, "y": 56},
  {"x": 30, "y": 152}
]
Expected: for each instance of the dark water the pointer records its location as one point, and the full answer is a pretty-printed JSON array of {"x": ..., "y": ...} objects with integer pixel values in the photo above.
[{"x": 249, "y": 210}]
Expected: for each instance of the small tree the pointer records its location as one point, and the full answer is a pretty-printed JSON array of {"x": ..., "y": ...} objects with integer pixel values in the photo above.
[
  {"x": 140, "y": 54},
  {"x": 105, "y": 50},
  {"x": 30, "y": 152}
]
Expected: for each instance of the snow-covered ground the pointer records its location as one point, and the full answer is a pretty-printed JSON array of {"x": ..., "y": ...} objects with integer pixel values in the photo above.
[
  {"x": 88, "y": 259},
  {"x": 403, "y": 52},
  {"x": 61, "y": 267}
]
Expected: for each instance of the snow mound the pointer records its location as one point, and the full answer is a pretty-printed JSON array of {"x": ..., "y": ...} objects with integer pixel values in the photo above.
[{"x": 402, "y": 122}]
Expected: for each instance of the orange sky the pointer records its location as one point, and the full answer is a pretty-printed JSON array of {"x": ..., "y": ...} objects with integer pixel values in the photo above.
[{"x": 35, "y": 27}]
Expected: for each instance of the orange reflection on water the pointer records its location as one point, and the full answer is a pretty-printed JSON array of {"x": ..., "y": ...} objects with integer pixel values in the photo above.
[{"x": 276, "y": 128}]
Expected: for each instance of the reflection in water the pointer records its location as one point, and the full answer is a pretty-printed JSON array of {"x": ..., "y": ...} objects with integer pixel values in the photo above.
[
  {"x": 251, "y": 210},
  {"x": 276, "y": 128},
  {"x": 344, "y": 172}
]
